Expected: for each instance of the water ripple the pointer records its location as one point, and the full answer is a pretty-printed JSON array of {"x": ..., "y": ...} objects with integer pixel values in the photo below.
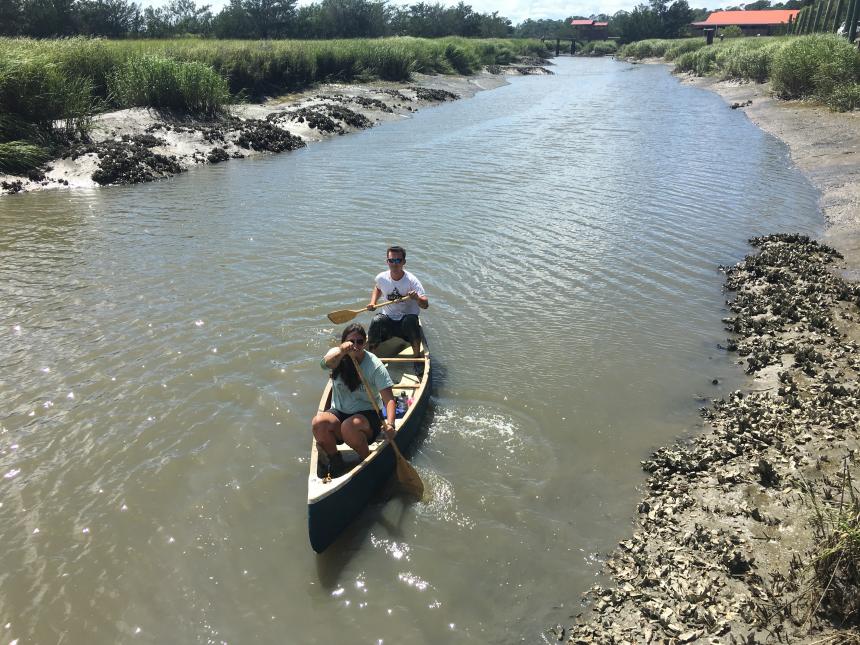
[{"x": 161, "y": 350}]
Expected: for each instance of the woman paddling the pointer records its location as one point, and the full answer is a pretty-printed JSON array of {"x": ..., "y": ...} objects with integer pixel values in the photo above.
[{"x": 351, "y": 418}]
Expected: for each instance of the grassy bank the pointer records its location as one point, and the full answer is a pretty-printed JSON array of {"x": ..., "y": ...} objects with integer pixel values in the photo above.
[
  {"x": 599, "y": 48},
  {"x": 49, "y": 89},
  {"x": 821, "y": 67}
]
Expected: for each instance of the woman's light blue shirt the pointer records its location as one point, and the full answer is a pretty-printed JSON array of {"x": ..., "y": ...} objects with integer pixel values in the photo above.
[{"x": 351, "y": 402}]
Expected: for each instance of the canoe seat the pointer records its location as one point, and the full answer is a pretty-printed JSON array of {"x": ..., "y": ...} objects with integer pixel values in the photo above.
[{"x": 395, "y": 346}]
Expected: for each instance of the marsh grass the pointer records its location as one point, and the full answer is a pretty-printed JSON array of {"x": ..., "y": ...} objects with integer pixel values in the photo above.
[
  {"x": 836, "y": 559},
  {"x": 821, "y": 588},
  {"x": 750, "y": 61},
  {"x": 14, "y": 127},
  {"x": 700, "y": 62},
  {"x": 813, "y": 66},
  {"x": 823, "y": 67},
  {"x": 36, "y": 90},
  {"x": 20, "y": 157},
  {"x": 844, "y": 97},
  {"x": 461, "y": 59},
  {"x": 599, "y": 48},
  {"x": 495, "y": 53},
  {"x": 650, "y": 48},
  {"x": 258, "y": 68},
  {"x": 741, "y": 58},
  {"x": 683, "y": 46},
  {"x": 187, "y": 87}
]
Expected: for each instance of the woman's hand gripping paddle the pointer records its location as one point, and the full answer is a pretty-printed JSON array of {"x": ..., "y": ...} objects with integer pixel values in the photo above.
[
  {"x": 345, "y": 315},
  {"x": 407, "y": 476}
]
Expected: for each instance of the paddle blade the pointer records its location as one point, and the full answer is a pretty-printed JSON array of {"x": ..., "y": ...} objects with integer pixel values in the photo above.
[
  {"x": 408, "y": 480},
  {"x": 342, "y": 316}
]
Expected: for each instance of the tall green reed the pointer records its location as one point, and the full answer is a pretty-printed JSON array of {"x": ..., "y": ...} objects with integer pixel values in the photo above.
[
  {"x": 599, "y": 48},
  {"x": 824, "y": 67},
  {"x": 183, "y": 86},
  {"x": 650, "y": 48},
  {"x": 20, "y": 157},
  {"x": 36, "y": 90},
  {"x": 814, "y": 65},
  {"x": 682, "y": 46}
]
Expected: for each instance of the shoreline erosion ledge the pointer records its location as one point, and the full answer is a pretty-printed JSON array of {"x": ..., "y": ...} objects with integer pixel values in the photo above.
[
  {"x": 148, "y": 142},
  {"x": 749, "y": 530}
]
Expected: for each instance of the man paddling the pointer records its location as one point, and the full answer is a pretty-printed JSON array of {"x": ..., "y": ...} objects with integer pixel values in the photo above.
[{"x": 399, "y": 319}]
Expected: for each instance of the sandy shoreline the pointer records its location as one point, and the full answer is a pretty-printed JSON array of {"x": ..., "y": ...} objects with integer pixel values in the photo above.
[
  {"x": 722, "y": 547},
  {"x": 140, "y": 144}
]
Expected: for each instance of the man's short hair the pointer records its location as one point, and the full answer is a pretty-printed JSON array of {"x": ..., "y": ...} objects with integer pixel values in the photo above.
[{"x": 396, "y": 249}]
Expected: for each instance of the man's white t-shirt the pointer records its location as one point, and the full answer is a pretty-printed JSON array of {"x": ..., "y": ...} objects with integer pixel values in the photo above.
[{"x": 393, "y": 289}]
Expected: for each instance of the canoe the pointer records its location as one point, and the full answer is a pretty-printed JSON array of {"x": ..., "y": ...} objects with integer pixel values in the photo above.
[{"x": 333, "y": 505}]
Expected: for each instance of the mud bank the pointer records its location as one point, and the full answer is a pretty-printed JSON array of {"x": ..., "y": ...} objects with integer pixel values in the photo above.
[
  {"x": 139, "y": 145},
  {"x": 728, "y": 540}
]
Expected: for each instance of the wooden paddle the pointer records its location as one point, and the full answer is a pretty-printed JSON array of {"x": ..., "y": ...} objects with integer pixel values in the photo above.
[
  {"x": 407, "y": 476},
  {"x": 343, "y": 315}
]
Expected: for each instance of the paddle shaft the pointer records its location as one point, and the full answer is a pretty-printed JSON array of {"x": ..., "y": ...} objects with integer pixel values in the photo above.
[
  {"x": 344, "y": 315},
  {"x": 406, "y": 475},
  {"x": 388, "y": 302},
  {"x": 373, "y": 403},
  {"x": 381, "y": 304}
]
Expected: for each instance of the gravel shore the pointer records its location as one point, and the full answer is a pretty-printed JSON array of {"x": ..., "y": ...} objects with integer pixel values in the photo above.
[{"x": 727, "y": 544}]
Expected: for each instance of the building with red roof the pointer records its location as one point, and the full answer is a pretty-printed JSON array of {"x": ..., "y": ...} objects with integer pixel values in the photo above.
[
  {"x": 590, "y": 29},
  {"x": 759, "y": 22}
]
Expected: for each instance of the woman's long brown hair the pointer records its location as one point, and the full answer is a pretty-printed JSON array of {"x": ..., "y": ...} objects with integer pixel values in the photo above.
[{"x": 345, "y": 370}]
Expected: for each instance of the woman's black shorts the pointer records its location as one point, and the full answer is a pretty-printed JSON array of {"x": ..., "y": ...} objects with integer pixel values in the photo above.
[{"x": 371, "y": 416}]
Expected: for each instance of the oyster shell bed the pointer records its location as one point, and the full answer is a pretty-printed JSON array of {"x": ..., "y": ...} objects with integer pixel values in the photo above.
[{"x": 721, "y": 549}]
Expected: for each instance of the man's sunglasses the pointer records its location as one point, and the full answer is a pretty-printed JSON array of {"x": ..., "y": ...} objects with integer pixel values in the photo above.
[{"x": 395, "y": 260}]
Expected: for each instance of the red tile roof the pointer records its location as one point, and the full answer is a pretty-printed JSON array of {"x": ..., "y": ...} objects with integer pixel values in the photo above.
[
  {"x": 588, "y": 23},
  {"x": 760, "y": 17}
]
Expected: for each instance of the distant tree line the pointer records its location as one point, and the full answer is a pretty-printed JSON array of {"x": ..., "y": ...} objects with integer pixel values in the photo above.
[
  {"x": 330, "y": 19},
  {"x": 247, "y": 19}
]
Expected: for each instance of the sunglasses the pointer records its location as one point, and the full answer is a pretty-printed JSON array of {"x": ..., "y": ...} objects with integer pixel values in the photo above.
[
  {"x": 357, "y": 341},
  {"x": 395, "y": 260}
]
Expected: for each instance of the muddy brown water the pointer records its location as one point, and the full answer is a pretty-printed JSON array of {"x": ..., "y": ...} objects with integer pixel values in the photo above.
[{"x": 159, "y": 364}]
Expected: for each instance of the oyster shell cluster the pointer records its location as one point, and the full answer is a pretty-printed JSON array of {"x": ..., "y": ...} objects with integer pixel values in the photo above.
[{"x": 722, "y": 546}]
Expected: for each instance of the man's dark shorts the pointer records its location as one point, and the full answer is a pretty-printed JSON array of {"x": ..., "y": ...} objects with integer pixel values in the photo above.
[
  {"x": 371, "y": 416},
  {"x": 382, "y": 328}
]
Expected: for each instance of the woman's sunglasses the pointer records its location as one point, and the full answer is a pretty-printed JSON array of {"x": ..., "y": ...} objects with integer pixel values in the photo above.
[{"x": 358, "y": 342}]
